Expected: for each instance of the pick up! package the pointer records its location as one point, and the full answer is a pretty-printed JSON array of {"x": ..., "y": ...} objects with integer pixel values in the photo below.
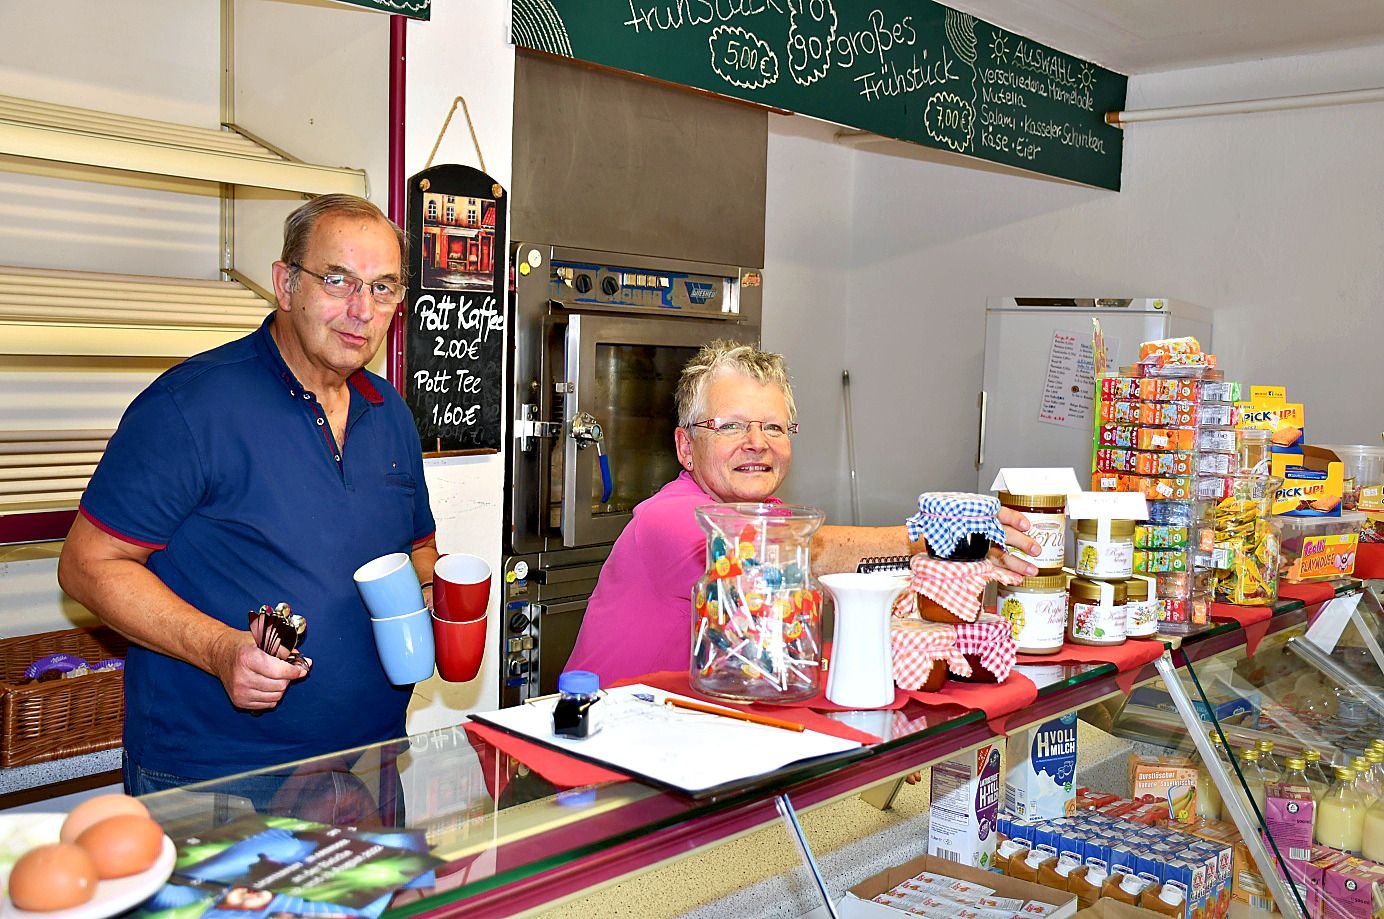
[
  {"x": 1313, "y": 483},
  {"x": 965, "y": 806},
  {"x": 1041, "y": 781},
  {"x": 1269, "y": 410}
]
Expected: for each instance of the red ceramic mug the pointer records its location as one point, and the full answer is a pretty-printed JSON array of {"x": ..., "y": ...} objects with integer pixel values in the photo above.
[
  {"x": 461, "y": 587},
  {"x": 460, "y": 648}
]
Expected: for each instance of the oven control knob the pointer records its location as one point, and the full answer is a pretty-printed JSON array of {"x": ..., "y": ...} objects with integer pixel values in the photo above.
[
  {"x": 518, "y": 666},
  {"x": 610, "y": 286},
  {"x": 582, "y": 283},
  {"x": 518, "y": 622}
]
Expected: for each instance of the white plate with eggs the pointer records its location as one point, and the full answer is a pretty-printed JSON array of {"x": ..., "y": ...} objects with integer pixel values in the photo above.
[{"x": 21, "y": 832}]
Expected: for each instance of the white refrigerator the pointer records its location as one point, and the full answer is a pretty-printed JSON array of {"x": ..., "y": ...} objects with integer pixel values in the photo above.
[{"x": 1037, "y": 403}]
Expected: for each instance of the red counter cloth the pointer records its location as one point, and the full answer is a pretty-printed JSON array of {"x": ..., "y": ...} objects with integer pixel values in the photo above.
[
  {"x": 1133, "y": 654},
  {"x": 994, "y": 699},
  {"x": 562, "y": 770},
  {"x": 1369, "y": 561},
  {"x": 1253, "y": 619},
  {"x": 799, "y": 712},
  {"x": 1309, "y": 594}
]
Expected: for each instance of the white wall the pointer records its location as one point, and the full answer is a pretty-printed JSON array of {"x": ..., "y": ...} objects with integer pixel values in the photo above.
[
  {"x": 1273, "y": 221},
  {"x": 461, "y": 51}
]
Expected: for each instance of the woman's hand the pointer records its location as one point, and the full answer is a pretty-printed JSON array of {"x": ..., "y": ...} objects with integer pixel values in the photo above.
[{"x": 1015, "y": 526}]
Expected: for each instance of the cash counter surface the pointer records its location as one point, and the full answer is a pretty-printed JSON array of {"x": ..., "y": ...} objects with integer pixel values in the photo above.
[{"x": 512, "y": 840}]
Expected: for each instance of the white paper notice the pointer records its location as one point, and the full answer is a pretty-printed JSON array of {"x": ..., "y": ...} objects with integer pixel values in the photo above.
[
  {"x": 688, "y": 750},
  {"x": 1069, "y": 387}
]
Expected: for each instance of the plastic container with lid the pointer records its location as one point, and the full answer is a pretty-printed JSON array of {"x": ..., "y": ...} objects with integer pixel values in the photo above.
[
  {"x": 1141, "y": 608},
  {"x": 1037, "y": 609},
  {"x": 1252, "y": 444},
  {"x": 1364, "y": 466},
  {"x": 1047, "y": 517},
  {"x": 1105, "y": 548},
  {"x": 1096, "y": 612}
]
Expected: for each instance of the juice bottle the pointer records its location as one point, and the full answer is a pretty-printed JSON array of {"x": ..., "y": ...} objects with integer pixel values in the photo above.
[
  {"x": 1208, "y": 796},
  {"x": 1341, "y": 814},
  {"x": 1372, "y": 838},
  {"x": 1007, "y": 852},
  {"x": 1124, "y": 887},
  {"x": 1055, "y": 871},
  {"x": 1026, "y": 869},
  {"x": 1295, "y": 774},
  {"x": 1085, "y": 883},
  {"x": 1254, "y": 779},
  {"x": 1317, "y": 779},
  {"x": 1268, "y": 763},
  {"x": 1168, "y": 900},
  {"x": 1368, "y": 786}
]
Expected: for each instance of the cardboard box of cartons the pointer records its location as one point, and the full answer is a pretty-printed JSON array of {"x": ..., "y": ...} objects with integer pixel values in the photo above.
[{"x": 859, "y": 901}]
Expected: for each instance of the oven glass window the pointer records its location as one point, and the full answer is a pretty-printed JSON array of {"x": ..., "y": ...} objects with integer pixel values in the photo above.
[{"x": 633, "y": 399}]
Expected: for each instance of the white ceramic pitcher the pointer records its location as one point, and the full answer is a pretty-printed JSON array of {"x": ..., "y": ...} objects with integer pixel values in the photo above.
[{"x": 862, "y": 668}]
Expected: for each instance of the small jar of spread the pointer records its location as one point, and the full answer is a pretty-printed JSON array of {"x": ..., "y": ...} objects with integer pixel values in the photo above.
[
  {"x": 1097, "y": 612},
  {"x": 572, "y": 713},
  {"x": 956, "y": 526},
  {"x": 1141, "y": 608},
  {"x": 1047, "y": 517},
  {"x": 1105, "y": 548},
  {"x": 1036, "y": 607}
]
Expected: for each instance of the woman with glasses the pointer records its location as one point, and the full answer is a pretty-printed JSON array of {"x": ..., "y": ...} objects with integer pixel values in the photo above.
[{"x": 734, "y": 440}]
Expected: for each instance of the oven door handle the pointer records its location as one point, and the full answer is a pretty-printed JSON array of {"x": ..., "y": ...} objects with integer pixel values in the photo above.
[{"x": 557, "y": 609}]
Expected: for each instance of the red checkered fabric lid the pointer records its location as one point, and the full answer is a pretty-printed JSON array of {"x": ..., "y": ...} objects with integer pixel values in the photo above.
[
  {"x": 991, "y": 638},
  {"x": 915, "y": 645},
  {"x": 954, "y": 586}
]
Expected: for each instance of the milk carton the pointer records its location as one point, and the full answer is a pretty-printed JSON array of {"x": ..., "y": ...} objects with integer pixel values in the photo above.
[
  {"x": 965, "y": 806},
  {"x": 1042, "y": 770}
]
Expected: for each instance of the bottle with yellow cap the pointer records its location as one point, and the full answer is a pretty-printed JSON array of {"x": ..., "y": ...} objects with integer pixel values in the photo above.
[
  {"x": 1208, "y": 796},
  {"x": 1254, "y": 778},
  {"x": 1317, "y": 776},
  {"x": 1268, "y": 763},
  {"x": 1372, "y": 836},
  {"x": 1341, "y": 814}
]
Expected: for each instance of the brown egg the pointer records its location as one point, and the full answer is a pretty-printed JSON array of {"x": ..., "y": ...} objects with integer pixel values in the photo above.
[
  {"x": 122, "y": 845},
  {"x": 93, "y": 810},
  {"x": 56, "y": 876}
]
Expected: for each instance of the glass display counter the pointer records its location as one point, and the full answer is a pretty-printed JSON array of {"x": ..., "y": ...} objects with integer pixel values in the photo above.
[{"x": 511, "y": 841}]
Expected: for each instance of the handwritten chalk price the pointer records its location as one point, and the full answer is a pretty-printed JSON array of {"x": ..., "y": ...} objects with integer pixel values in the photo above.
[
  {"x": 742, "y": 59},
  {"x": 950, "y": 120}
]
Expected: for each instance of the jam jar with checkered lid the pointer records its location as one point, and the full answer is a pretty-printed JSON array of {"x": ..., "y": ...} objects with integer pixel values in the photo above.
[
  {"x": 957, "y": 526},
  {"x": 757, "y": 612}
]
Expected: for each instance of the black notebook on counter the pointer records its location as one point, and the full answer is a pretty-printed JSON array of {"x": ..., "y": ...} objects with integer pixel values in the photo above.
[{"x": 886, "y": 563}]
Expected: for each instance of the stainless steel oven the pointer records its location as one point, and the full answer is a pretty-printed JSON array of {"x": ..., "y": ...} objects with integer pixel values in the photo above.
[{"x": 599, "y": 341}]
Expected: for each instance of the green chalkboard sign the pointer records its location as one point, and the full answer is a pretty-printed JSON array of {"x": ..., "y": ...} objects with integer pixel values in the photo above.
[
  {"x": 909, "y": 69},
  {"x": 413, "y": 9}
]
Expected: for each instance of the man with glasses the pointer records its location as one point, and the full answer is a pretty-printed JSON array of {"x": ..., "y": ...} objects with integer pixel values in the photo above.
[
  {"x": 736, "y": 420},
  {"x": 264, "y": 471}
]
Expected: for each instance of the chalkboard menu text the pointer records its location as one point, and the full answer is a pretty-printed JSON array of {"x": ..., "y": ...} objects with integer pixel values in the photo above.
[
  {"x": 454, "y": 338},
  {"x": 908, "y": 69}
]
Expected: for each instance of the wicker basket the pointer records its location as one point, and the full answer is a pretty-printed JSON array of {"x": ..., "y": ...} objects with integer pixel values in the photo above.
[{"x": 60, "y": 718}]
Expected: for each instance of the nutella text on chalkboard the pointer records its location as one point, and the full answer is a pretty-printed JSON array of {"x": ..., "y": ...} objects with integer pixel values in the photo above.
[{"x": 909, "y": 69}]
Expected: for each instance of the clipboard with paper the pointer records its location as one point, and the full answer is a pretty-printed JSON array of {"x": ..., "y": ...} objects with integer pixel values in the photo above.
[{"x": 693, "y": 752}]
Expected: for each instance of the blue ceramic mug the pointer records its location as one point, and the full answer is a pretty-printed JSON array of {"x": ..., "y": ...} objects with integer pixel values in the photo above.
[
  {"x": 389, "y": 586},
  {"x": 405, "y": 646}
]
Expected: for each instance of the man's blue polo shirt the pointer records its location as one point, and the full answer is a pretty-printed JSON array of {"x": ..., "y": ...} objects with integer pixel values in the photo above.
[{"x": 229, "y": 471}]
